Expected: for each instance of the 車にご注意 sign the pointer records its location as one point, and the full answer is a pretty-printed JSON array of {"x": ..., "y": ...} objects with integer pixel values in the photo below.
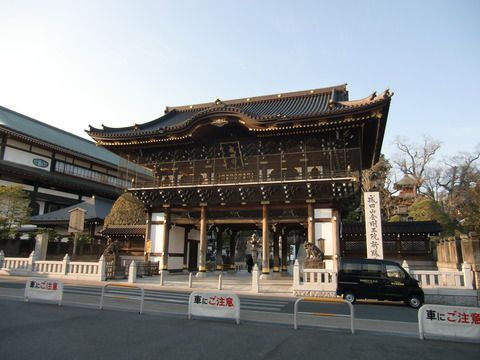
[
  {"x": 44, "y": 289},
  {"x": 213, "y": 304},
  {"x": 458, "y": 322}
]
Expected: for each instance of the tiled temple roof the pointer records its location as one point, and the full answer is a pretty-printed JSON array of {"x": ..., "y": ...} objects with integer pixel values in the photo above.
[{"x": 262, "y": 111}]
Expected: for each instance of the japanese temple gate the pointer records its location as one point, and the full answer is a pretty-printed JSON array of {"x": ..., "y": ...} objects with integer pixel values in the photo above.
[{"x": 271, "y": 164}]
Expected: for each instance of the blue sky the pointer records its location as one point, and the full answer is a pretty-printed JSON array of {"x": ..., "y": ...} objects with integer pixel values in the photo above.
[{"x": 77, "y": 63}]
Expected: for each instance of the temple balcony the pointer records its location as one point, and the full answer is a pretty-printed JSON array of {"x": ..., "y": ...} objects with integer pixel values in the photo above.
[
  {"x": 312, "y": 166},
  {"x": 284, "y": 178}
]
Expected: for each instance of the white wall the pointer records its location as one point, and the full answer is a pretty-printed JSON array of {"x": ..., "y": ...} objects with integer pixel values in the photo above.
[
  {"x": 175, "y": 244},
  {"x": 156, "y": 235},
  {"x": 325, "y": 231},
  {"x": 25, "y": 158}
]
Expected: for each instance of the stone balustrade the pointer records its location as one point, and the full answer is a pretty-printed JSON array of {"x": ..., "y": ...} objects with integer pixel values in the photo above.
[
  {"x": 315, "y": 282},
  {"x": 59, "y": 269}
]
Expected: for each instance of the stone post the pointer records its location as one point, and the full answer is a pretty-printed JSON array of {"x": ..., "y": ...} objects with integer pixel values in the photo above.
[
  {"x": 296, "y": 274},
  {"x": 255, "y": 279},
  {"x": 65, "y": 263},
  {"x": 467, "y": 275},
  {"x": 220, "y": 276},
  {"x": 132, "y": 273},
  {"x": 102, "y": 276},
  {"x": 2, "y": 257},
  {"x": 406, "y": 266},
  {"x": 41, "y": 244},
  {"x": 31, "y": 262},
  {"x": 471, "y": 254}
]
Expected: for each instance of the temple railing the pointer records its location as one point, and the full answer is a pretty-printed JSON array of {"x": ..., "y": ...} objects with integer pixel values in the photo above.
[{"x": 65, "y": 269}]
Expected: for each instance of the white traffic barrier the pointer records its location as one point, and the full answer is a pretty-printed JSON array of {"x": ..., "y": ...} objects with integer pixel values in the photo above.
[
  {"x": 105, "y": 294},
  {"x": 452, "y": 322},
  {"x": 324, "y": 300},
  {"x": 214, "y": 304},
  {"x": 190, "y": 280},
  {"x": 44, "y": 289}
]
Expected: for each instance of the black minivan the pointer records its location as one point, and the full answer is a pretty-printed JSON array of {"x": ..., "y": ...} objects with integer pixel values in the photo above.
[{"x": 377, "y": 279}]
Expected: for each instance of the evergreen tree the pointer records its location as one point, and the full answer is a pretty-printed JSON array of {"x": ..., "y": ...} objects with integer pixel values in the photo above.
[
  {"x": 14, "y": 209},
  {"x": 127, "y": 210}
]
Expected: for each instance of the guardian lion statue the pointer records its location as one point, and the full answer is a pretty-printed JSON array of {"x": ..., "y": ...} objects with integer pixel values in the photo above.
[{"x": 313, "y": 252}]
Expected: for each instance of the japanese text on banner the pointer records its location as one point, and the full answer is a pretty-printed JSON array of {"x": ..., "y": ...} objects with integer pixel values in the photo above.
[{"x": 373, "y": 225}]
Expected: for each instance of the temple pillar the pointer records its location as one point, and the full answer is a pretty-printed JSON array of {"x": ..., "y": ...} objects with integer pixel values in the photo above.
[
  {"x": 284, "y": 239},
  {"x": 202, "y": 257},
  {"x": 165, "y": 243},
  {"x": 310, "y": 224},
  {"x": 232, "y": 250},
  {"x": 185, "y": 247},
  {"x": 219, "y": 249},
  {"x": 148, "y": 230},
  {"x": 276, "y": 250},
  {"x": 335, "y": 238},
  {"x": 265, "y": 241}
]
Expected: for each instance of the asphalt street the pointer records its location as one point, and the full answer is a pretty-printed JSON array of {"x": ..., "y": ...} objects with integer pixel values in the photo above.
[
  {"x": 46, "y": 331},
  {"x": 89, "y": 294}
]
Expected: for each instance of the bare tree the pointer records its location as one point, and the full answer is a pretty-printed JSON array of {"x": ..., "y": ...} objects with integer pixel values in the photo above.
[
  {"x": 459, "y": 175},
  {"x": 414, "y": 160},
  {"x": 377, "y": 178}
]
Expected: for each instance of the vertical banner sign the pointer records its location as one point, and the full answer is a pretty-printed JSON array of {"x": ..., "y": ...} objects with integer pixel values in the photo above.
[{"x": 373, "y": 225}]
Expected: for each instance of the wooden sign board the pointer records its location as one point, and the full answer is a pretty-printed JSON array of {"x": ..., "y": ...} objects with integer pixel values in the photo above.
[{"x": 77, "y": 220}]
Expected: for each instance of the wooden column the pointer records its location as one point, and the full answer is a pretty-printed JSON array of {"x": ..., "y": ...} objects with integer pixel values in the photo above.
[
  {"x": 185, "y": 247},
  {"x": 166, "y": 238},
  {"x": 202, "y": 265},
  {"x": 219, "y": 241},
  {"x": 148, "y": 231},
  {"x": 232, "y": 250},
  {"x": 284, "y": 239},
  {"x": 265, "y": 241},
  {"x": 335, "y": 239},
  {"x": 310, "y": 224},
  {"x": 276, "y": 250}
]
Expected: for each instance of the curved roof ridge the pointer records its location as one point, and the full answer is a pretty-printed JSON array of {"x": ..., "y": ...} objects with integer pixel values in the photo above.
[
  {"x": 261, "y": 98},
  {"x": 367, "y": 100}
]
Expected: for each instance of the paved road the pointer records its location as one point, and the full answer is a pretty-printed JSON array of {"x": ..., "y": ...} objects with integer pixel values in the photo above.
[
  {"x": 372, "y": 311},
  {"x": 45, "y": 331}
]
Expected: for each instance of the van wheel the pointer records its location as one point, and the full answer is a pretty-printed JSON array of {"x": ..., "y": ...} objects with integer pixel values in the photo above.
[
  {"x": 414, "y": 301},
  {"x": 349, "y": 297}
]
